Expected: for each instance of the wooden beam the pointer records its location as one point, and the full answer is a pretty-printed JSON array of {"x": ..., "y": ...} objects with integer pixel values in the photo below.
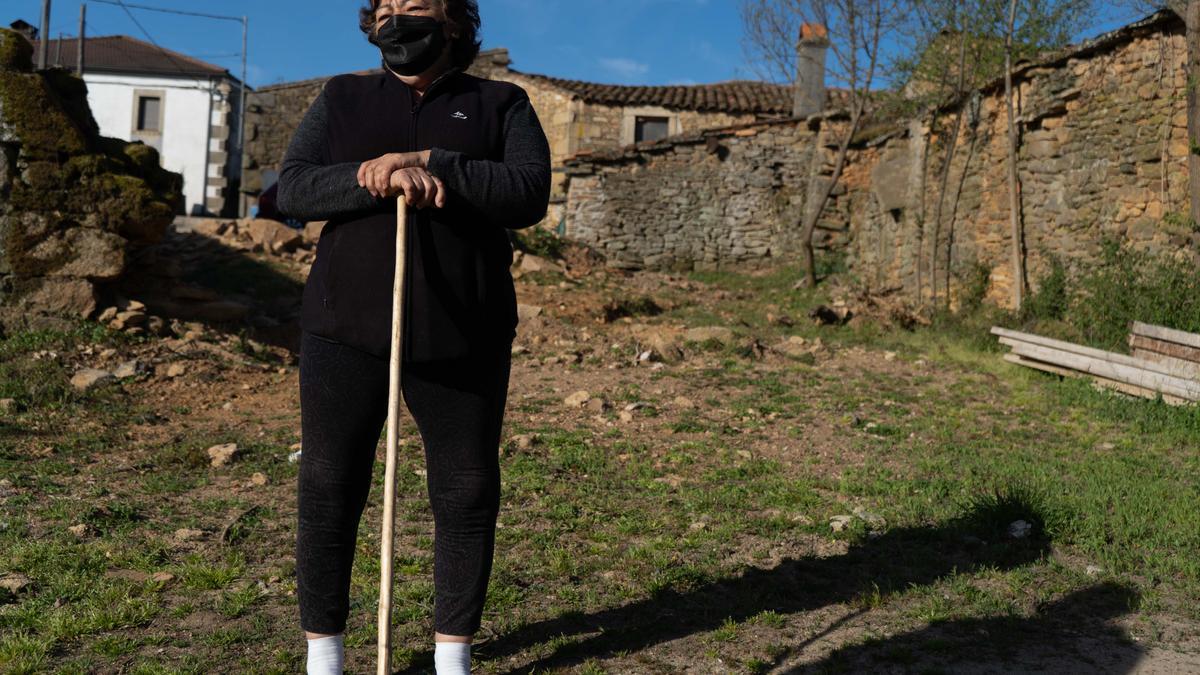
[
  {"x": 1166, "y": 334},
  {"x": 1167, "y": 384},
  {"x": 1100, "y": 382},
  {"x": 1182, "y": 365},
  {"x": 1172, "y": 349},
  {"x": 1013, "y": 338}
]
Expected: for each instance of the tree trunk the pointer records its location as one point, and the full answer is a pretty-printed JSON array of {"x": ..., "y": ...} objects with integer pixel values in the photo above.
[
  {"x": 1014, "y": 187},
  {"x": 1192, "y": 18},
  {"x": 945, "y": 178},
  {"x": 943, "y": 186}
]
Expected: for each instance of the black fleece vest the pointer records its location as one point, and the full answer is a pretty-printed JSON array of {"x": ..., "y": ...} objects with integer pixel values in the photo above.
[{"x": 459, "y": 297}]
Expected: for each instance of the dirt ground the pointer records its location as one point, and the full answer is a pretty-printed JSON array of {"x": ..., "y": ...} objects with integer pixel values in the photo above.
[{"x": 676, "y": 518}]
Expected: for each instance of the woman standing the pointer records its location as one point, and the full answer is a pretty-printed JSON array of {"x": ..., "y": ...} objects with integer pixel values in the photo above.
[{"x": 470, "y": 157}]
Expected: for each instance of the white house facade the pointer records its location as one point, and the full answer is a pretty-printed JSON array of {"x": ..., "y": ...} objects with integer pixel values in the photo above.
[{"x": 185, "y": 108}]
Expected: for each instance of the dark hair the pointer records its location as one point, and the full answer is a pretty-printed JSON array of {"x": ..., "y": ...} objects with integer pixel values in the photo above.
[{"x": 462, "y": 13}]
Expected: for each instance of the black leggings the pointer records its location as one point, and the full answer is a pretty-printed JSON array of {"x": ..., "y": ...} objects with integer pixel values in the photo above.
[{"x": 459, "y": 408}]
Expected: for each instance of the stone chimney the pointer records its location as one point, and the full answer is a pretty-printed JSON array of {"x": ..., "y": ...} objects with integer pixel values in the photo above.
[
  {"x": 809, "y": 96},
  {"x": 25, "y": 28}
]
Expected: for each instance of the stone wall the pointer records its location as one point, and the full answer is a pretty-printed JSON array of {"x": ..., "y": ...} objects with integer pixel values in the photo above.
[
  {"x": 1102, "y": 153},
  {"x": 707, "y": 200},
  {"x": 272, "y": 114},
  {"x": 571, "y": 125},
  {"x": 71, "y": 202}
]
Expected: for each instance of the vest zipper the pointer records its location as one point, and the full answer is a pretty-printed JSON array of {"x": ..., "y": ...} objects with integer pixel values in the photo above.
[{"x": 414, "y": 113}]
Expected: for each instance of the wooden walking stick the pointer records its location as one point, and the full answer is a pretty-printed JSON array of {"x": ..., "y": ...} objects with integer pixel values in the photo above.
[{"x": 393, "y": 433}]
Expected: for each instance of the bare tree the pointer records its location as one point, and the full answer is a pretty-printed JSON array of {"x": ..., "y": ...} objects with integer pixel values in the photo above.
[
  {"x": 1034, "y": 25},
  {"x": 856, "y": 29},
  {"x": 992, "y": 37},
  {"x": 948, "y": 57},
  {"x": 1014, "y": 180}
]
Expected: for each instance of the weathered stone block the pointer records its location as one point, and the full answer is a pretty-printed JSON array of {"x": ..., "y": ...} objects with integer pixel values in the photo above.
[
  {"x": 76, "y": 252},
  {"x": 16, "y": 53},
  {"x": 70, "y": 199},
  {"x": 55, "y": 295}
]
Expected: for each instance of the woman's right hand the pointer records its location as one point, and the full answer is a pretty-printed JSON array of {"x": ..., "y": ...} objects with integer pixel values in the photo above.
[
  {"x": 420, "y": 188},
  {"x": 374, "y": 174}
]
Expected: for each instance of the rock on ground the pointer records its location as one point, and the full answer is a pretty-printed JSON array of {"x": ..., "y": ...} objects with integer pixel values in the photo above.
[
  {"x": 220, "y": 455},
  {"x": 274, "y": 236},
  {"x": 528, "y": 312},
  {"x": 577, "y": 399},
  {"x": 705, "y": 333},
  {"x": 188, "y": 534},
  {"x": 90, "y": 378},
  {"x": 15, "y": 582}
]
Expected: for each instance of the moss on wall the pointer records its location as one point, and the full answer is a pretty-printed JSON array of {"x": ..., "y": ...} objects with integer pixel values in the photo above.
[
  {"x": 102, "y": 191},
  {"x": 72, "y": 94},
  {"x": 43, "y": 128},
  {"x": 15, "y": 51},
  {"x": 74, "y": 199}
]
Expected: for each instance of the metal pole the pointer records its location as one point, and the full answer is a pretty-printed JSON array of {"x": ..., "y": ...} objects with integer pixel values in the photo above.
[
  {"x": 82, "y": 38},
  {"x": 242, "y": 124},
  {"x": 44, "y": 35}
]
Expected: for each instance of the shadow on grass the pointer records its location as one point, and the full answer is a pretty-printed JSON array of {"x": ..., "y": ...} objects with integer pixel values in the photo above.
[
  {"x": 892, "y": 562},
  {"x": 1068, "y": 635}
]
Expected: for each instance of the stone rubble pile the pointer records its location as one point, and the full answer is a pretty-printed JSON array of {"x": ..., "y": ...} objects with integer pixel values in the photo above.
[
  {"x": 71, "y": 201},
  {"x": 258, "y": 235}
]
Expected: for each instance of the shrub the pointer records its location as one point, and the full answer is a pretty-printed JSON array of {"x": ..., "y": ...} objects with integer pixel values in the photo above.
[
  {"x": 538, "y": 241},
  {"x": 975, "y": 280},
  {"x": 1052, "y": 298},
  {"x": 1130, "y": 285}
]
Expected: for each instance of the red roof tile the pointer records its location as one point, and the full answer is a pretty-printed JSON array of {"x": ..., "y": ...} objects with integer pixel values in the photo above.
[
  {"x": 123, "y": 54},
  {"x": 737, "y": 96}
]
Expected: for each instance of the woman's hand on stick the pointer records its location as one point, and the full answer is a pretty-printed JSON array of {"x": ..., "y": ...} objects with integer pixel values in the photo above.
[
  {"x": 420, "y": 188},
  {"x": 376, "y": 174}
]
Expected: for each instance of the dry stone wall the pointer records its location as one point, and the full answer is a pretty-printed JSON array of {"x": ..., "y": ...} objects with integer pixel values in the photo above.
[
  {"x": 571, "y": 125},
  {"x": 1102, "y": 151},
  {"x": 72, "y": 203},
  {"x": 701, "y": 201},
  {"x": 1102, "y": 155}
]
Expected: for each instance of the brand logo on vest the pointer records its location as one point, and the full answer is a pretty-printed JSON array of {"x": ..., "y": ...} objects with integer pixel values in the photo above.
[{"x": 459, "y": 116}]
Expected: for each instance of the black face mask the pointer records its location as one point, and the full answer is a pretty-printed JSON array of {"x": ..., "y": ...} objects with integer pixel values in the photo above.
[{"x": 410, "y": 44}]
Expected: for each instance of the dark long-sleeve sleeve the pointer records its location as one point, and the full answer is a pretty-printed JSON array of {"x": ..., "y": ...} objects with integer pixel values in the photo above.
[
  {"x": 309, "y": 187},
  {"x": 513, "y": 193}
]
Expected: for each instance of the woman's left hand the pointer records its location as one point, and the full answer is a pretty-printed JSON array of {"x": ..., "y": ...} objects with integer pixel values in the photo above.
[
  {"x": 376, "y": 174},
  {"x": 419, "y": 188}
]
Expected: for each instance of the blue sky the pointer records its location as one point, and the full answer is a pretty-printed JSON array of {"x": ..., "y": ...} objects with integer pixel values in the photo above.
[{"x": 616, "y": 41}]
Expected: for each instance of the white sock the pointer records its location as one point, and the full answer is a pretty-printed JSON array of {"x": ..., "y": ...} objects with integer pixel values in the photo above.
[
  {"x": 326, "y": 655},
  {"x": 452, "y": 658}
]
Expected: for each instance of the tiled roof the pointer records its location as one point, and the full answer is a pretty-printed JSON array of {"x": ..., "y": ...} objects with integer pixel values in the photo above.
[
  {"x": 737, "y": 96},
  {"x": 126, "y": 55},
  {"x": 487, "y": 58}
]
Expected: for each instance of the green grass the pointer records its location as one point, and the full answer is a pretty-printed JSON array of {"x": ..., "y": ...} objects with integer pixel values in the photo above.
[{"x": 603, "y": 529}]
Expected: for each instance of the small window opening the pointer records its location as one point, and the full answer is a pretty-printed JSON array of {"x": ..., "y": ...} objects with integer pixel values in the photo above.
[
  {"x": 149, "y": 110},
  {"x": 651, "y": 129}
]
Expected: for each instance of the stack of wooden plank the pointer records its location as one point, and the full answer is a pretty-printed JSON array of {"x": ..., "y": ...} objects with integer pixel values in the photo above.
[
  {"x": 1164, "y": 345},
  {"x": 1164, "y": 362}
]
